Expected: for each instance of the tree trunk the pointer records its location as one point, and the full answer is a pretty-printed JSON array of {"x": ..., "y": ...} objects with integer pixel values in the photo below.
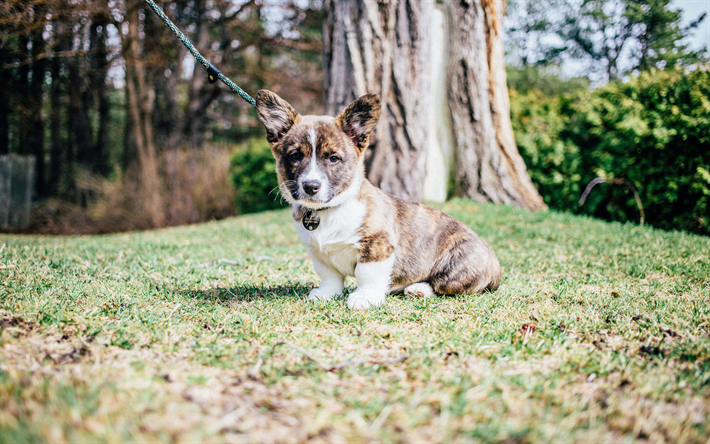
[
  {"x": 79, "y": 115},
  {"x": 4, "y": 123},
  {"x": 21, "y": 105},
  {"x": 489, "y": 167},
  {"x": 5, "y": 79},
  {"x": 98, "y": 69},
  {"x": 378, "y": 48},
  {"x": 35, "y": 136},
  {"x": 391, "y": 48},
  {"x": 140, "y": 107},
  {"x": 200, "y": 94},
  {"x": 57, "y": 147}
]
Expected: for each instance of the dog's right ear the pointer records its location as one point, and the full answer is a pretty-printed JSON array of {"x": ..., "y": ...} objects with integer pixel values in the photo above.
[{"x": 276, "y": 114}]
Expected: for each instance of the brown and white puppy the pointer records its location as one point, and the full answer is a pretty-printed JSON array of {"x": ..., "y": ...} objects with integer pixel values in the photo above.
[{"x": 352, "y": 228}]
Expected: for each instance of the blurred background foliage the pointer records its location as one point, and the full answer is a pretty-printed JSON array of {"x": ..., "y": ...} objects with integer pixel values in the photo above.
[
  {"x": 91, "y": 88},
  {"x": 253, "y": 175},
  {"x": 653, "y": 130},
  {"x": 126, "y": 130},
  {"x": 611, "y": 88}
]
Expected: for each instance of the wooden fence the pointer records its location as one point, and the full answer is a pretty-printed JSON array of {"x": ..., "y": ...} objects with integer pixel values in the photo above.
[{"x": 17, "y": 176}]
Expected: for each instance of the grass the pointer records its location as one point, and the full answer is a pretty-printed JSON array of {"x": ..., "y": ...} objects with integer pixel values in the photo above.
[{"x": 599, "y": 332}]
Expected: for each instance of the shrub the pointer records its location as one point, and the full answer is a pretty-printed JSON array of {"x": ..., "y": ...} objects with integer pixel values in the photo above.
[
  {"x": 253, "y": 175},
  {"x": 553, "y": 162},
  {"x": 653, "y": 130}
]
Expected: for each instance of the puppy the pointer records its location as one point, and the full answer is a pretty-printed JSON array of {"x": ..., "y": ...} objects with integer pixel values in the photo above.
[{"x": 352, "y": 228}]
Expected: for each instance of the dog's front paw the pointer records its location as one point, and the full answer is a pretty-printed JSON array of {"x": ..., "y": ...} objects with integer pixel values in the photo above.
[{"x": 364, "y": 299}]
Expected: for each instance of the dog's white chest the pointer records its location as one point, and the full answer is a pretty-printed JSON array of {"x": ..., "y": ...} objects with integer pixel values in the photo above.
[{"x": 336, "y": 239}]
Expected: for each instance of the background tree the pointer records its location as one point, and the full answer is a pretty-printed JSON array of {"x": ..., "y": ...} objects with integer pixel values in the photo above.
[
  {"x": 115, "y": 93},
  {"x": 660, "y": 36},
  {"x": 406, "y": 51},
  {"x": 528, "y": 27},
  {"x": 610, "y": 37}
]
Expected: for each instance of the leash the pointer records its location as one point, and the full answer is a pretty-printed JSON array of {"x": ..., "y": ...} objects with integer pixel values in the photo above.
[{"x": 212, "y": 72}]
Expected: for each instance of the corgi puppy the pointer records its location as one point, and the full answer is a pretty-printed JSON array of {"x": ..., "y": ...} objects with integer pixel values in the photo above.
[{"x": 352, "y": 228}]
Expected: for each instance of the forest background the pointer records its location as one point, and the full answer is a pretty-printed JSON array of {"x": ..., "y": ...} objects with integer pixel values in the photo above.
[{"x": 128, "y": 134}]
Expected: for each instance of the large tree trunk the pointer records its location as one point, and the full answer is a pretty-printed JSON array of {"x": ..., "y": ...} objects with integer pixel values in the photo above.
[
  {"x": 395, "y": 48},
  {"x": 378, "y": 48}
]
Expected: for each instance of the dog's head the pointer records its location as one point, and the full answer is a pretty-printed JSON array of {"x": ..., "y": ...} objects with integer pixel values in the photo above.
[{"x": 319, "y": 159}]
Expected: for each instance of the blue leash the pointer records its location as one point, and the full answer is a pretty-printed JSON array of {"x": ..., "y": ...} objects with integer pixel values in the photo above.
[{"x": 212, "y": 72}]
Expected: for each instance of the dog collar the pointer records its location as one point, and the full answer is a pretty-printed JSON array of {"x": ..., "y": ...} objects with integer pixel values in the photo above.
[{"x": 311, "y": 220}]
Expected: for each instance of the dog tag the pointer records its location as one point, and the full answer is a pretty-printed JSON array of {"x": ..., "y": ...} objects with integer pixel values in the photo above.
[{"x": 311, "y": 220}]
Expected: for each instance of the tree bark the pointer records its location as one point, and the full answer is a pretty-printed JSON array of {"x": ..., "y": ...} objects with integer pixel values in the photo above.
[
  {"x": 386, "y": 48},
  {"x": 378, "y": 48},
  {"x": 140, "y": 107},
  {"x": 35, "y": 136},
  {"x": 489, "y": 167},
  {"x": 5, "y": 79},
  {"x": 21, "y": 105},
  {"x": 79, "y": 115},
  {"x": 98, "y": 70},
  {"x": 57, "y": 146}
]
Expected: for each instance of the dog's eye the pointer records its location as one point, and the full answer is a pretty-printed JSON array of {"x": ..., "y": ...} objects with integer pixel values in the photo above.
[
  {"x": 334, "y": 159},
  {"x": 296, "y": 156}
]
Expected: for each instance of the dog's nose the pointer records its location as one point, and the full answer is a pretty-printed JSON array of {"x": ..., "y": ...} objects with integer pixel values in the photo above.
[{"x": 311, "y": 187}]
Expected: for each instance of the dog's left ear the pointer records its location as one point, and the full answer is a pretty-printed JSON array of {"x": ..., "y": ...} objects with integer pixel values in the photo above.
[
  {"x": 276, "y": 114},
  {"x": 359, "y": 119}
]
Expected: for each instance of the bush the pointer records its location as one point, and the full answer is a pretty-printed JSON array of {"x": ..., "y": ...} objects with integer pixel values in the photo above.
[
  {"x": 653, "y": 130},
  {"x": 253, "y": 175},
  {"x": 553, "y": 162}
]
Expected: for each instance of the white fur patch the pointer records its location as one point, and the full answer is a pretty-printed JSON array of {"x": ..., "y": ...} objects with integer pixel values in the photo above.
[
  {"x": 312, "y": 136},
  {"x": 373, "y": 284},
  {"x": 314, "y": 172},
  {"x": 331, "y": 283},
  {"x": 335, "y": 242}
]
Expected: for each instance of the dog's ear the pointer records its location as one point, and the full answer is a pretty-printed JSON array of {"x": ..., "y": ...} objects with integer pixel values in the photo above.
[
  {"x": 275, "y": 114},
  {"x": 359, "y": 119}
]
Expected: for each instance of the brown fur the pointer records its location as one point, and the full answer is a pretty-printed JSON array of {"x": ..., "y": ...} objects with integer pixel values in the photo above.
[{"x": 429, "y": 246}]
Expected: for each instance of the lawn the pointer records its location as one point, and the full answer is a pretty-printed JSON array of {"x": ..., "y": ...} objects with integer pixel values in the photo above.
[{"x": 599, "y": 332}]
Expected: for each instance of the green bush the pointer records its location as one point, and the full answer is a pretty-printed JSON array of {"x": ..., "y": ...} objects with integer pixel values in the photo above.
[
  {"x": 553, "y": 162},
  {"x": 253, "y": 175},
  {"x": 653, "y": 130}
]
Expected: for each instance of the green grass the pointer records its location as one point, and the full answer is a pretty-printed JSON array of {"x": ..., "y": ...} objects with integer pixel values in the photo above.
[{"x": 148, "y": 337}]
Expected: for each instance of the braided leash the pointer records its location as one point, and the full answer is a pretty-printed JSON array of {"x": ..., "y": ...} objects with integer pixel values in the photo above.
[{"x": 212, "y": 72}]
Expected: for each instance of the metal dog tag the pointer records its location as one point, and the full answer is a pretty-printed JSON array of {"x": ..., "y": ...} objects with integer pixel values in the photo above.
[{"x": 311, "y": 220}]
